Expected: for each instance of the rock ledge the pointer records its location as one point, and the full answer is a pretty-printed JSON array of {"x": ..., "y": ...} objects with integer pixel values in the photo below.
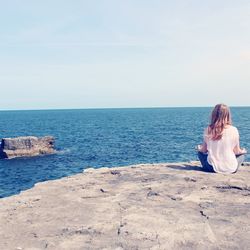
[{"x": 151, "y": 206}]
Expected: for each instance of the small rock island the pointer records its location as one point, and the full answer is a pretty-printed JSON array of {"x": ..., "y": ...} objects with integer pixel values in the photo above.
[{"x": 26, "y": 146}]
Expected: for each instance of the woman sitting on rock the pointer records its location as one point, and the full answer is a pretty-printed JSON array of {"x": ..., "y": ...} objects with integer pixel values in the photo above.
[{"x": 220, "y": 151}]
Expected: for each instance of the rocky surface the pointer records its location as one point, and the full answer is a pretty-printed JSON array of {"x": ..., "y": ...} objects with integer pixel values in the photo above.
[
  {"x": 153, "y": 206},
  {"x": 26, "y": 146}
]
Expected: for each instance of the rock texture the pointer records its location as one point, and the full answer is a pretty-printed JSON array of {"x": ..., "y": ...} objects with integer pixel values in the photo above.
[
  {"x": 154, "y": 206},
  {"x": 26, "y": 146}
]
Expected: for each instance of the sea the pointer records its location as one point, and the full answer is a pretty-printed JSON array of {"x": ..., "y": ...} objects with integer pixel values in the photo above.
[{"x": 105, "y": 138}]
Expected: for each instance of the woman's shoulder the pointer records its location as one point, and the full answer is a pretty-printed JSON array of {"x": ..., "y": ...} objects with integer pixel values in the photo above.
[
  {"x": 206, "y": 132},
  {"x": 232, "y": 128}
]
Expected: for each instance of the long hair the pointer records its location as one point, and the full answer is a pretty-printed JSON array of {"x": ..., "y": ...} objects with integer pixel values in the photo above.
[{"x": 220, "y": 118}]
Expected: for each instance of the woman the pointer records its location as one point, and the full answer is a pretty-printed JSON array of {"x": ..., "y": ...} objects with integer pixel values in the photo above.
[{"x": 220, "y": 151}]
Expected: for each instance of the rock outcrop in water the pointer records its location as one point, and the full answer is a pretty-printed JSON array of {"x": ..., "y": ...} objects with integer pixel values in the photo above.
[
  {"x": 152, "y": 206},
  {"x": 26, "y": 146}
]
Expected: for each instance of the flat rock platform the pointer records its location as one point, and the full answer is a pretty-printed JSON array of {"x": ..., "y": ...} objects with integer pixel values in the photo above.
[{"x": 149, "y": 206}]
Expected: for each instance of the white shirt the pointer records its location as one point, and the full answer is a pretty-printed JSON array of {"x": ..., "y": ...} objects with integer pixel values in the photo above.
[{"x": 221, "y": 152}]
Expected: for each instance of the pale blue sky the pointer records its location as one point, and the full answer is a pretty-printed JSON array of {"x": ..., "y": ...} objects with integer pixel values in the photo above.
[{"x": 124, "y": 53}]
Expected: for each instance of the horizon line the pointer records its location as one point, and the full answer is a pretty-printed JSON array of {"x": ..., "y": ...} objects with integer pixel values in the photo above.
[{"x": 101, "y": 108}]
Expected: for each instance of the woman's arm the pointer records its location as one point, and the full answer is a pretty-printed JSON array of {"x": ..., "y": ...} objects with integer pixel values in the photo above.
[
  {"x": 203, "y": 147},
  {"x": 237, "y": 149}
]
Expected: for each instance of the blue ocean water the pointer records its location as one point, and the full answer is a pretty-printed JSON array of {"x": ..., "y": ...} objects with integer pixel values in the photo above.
[{"x": 105, "y": 137}]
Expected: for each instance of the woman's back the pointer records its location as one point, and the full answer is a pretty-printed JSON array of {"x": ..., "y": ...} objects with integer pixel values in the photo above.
[{"x": 221, "y": 152}]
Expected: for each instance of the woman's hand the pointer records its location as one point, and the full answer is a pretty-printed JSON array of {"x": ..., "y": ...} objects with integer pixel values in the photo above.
[
  {"x": 243, "y": 151},
  {"x": 202, "y": 148}
]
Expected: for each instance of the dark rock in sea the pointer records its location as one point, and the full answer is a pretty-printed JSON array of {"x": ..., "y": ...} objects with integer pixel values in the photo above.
[{"x": 26, "y": 146}]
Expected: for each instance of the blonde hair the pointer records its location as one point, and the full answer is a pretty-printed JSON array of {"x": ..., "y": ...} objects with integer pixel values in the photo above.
[{"x": 220, "y": 118}]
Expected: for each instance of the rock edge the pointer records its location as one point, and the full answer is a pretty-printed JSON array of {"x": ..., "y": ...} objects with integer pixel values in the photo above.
[{"x": 147, "y": 206}]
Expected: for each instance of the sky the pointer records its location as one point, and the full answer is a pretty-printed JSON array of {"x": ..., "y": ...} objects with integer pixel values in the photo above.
[{"x": 124, "y": 53}]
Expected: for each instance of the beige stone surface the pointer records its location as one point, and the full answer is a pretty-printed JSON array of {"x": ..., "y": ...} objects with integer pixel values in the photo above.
[{"x": 152, "y": 206}]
